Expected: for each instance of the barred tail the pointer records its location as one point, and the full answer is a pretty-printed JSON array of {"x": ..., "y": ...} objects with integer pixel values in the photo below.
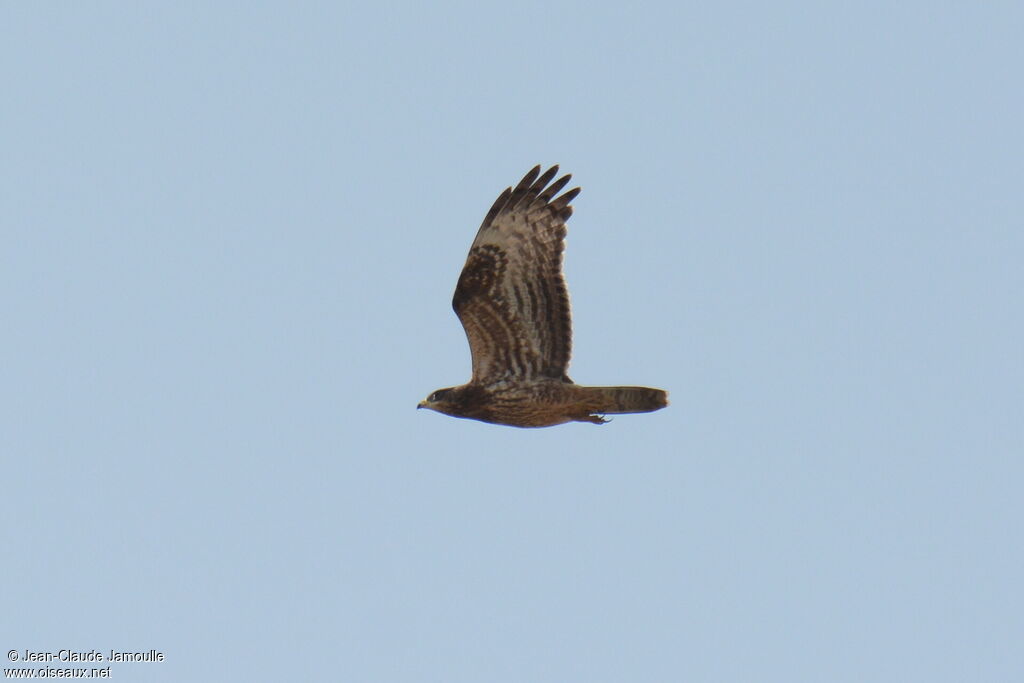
[{"x": 626, "y": 399}]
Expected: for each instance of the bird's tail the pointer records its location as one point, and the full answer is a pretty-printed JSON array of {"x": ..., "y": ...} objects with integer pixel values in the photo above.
[{"x": 625, "y": 399}]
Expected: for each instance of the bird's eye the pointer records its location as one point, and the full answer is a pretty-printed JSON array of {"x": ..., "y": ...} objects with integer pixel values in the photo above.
[{"x": 434, "y": 396}]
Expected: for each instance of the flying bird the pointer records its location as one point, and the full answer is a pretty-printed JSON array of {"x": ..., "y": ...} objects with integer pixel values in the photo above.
[{"x": 514, "y": 305}]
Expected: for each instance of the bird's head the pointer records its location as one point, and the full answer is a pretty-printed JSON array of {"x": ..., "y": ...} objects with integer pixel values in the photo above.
[{"x": 442, "y": 400}]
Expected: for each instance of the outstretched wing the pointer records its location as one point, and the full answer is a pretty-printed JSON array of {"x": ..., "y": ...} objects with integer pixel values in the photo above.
[{"x": 511, "y": 297}]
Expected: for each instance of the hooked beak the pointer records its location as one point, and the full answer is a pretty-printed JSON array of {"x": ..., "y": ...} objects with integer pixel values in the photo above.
[{"x": 422, "y": 404}]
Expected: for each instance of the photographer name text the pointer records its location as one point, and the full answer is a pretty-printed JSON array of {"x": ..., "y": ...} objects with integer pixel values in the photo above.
[{"x": 93, "y": 656}]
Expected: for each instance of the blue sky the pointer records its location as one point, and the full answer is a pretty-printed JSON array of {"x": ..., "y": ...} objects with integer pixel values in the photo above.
[{"x": 229, "y": 237}]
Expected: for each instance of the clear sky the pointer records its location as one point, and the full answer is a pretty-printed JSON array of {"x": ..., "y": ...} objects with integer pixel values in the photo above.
[{"x": 229, "y": 235}]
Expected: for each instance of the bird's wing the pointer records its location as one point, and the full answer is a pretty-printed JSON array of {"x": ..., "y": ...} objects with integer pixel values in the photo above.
[{"x": 511, "y": 297}]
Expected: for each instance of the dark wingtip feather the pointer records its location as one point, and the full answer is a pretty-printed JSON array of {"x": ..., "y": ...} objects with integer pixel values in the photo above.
[
  {"x": 528, "y": 179},
  {"x": 525, "y": 188},
  {"x": 498, "y": 205},
  {"x": 563, "y": 201},
  {"x": 555, "y": 187},
  {"x": 544, "y": 179}
]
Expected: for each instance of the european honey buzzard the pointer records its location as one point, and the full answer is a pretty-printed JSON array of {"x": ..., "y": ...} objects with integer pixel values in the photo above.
[{"x": 513, "y": 303}]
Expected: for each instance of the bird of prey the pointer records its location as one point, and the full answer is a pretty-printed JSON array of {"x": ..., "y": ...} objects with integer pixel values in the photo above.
[{"x": 514, "y": 305}]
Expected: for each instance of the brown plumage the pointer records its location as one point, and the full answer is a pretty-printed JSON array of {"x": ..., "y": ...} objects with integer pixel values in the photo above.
[{"x": 514, "y": 305}]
